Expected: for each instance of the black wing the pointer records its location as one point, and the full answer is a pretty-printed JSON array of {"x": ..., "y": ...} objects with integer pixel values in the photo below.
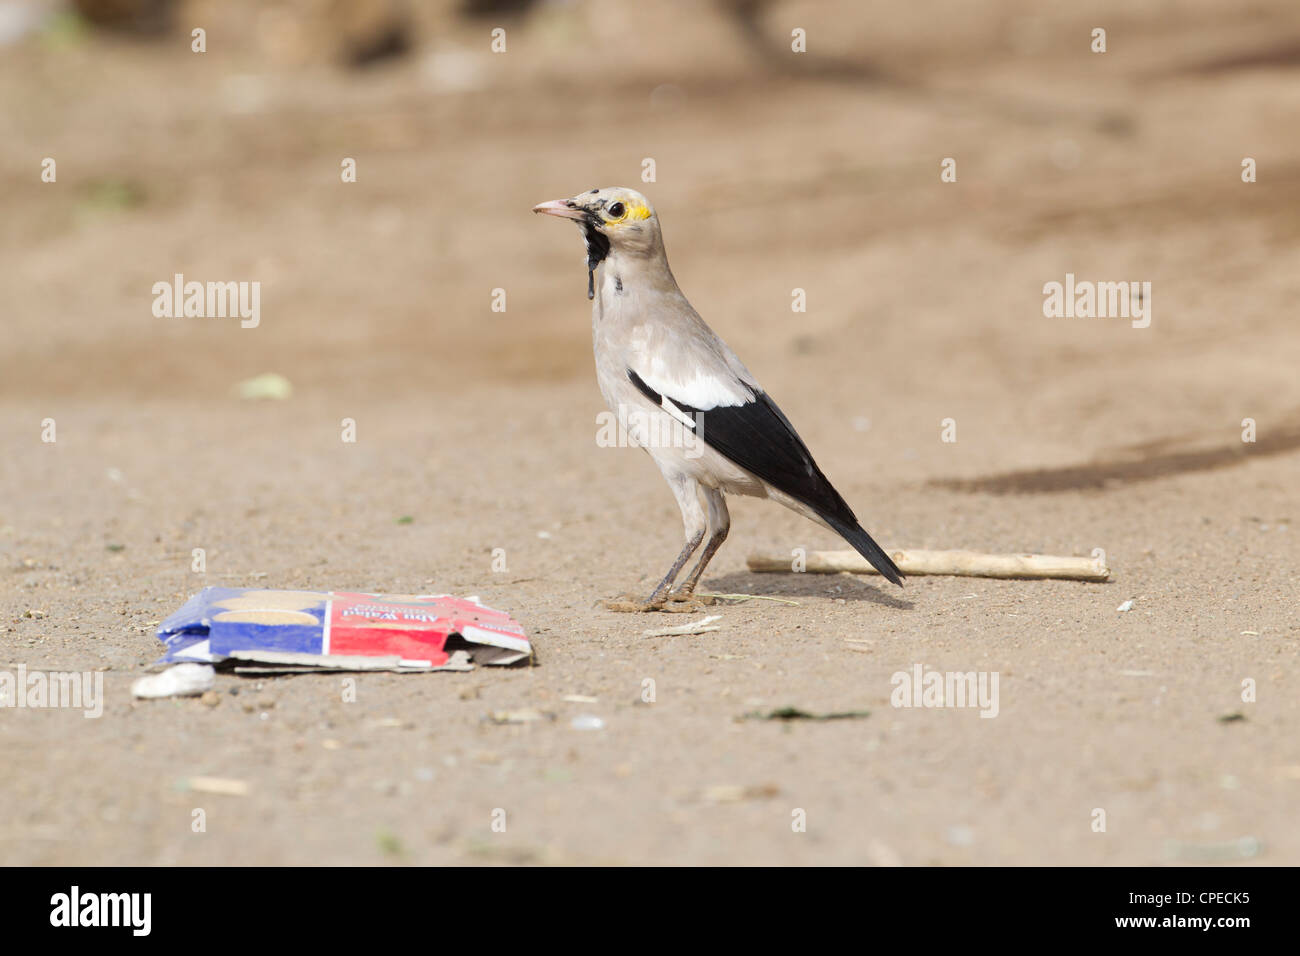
[{"x": 759, "y": 438}]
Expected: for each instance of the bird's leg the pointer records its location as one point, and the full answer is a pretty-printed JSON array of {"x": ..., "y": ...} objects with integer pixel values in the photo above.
[
  {"x": 657, "y": 597},
  {"x": 686, "y": 490},
  {"x": 719, "y": 525}
]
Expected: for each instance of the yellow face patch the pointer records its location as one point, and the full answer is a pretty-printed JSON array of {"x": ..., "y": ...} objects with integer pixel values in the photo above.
[{"x": 622, "y": 210}]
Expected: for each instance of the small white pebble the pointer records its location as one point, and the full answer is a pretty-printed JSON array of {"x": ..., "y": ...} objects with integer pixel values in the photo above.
[
  {"x": 183, "y": 680},
  {"x": 587, "y": 722}
]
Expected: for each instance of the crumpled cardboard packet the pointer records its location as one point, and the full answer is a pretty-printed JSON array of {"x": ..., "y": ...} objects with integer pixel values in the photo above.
[{"x": 265, "y": 631}]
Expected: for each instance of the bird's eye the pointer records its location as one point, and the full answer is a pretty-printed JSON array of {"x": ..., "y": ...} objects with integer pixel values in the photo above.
[{"x": 616, "y": 211}]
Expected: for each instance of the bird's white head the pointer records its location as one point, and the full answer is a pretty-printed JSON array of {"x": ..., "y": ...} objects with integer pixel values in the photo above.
[{"x": 615, "y": 221}]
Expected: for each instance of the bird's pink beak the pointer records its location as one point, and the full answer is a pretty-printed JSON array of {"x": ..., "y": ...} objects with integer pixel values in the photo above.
[{"x": 565, "y": 208}]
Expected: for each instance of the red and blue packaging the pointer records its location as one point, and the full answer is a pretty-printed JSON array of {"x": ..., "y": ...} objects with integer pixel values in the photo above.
[{"x": 262, "y": 630}]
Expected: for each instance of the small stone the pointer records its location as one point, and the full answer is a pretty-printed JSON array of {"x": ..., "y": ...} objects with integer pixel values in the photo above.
[{"x": 961, "y": 835}]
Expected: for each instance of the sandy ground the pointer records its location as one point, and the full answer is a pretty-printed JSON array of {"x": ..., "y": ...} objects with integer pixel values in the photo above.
[{"x": 924, "y": 304}]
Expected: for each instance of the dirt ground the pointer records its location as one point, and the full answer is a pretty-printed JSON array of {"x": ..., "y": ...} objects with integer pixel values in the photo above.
[{"x": 774, "y": 171}]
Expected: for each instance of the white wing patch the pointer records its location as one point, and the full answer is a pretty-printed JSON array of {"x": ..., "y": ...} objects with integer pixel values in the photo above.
[{"x": 699, "y": 388}]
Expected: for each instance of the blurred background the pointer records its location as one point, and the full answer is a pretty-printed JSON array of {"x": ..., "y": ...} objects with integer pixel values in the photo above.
[{"x": 773, "y": 171}]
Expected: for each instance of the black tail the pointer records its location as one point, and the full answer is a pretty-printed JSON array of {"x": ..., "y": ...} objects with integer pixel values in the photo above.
[
  {"x": 865, "y": 546},
  {"x": 759, "y": 438}
]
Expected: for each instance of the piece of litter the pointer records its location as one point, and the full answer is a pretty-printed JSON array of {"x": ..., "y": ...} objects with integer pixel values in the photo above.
[
  {"x": 1231, "y": 718},
  {"x": 272, "y": 631},
  {"x": 794, "y": 713},
  {"x": 268, "y": 385},
  {"x": 703, "y": 626},
  {"x": 525, "y": 716},
  {"x": 221, "y": 785},
  {"x": 587, "y": 722},
  {"x": 748, "y": 597},
  {"x": 1126, "y": 606},
  {"x": 579, "y": 699},
  {"x": 1243, "y": 848},
  {"x": 183, "y": 680},
  {"x": 732, "y": 793},
  {"x": 1250, "y": 633}
]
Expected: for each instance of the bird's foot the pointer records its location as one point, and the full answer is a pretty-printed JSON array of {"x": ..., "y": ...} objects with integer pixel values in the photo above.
[{"x": 674, "y": 602}]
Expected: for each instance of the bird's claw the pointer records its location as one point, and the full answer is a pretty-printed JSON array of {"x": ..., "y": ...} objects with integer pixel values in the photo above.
[{"x": 674, "y": 602}]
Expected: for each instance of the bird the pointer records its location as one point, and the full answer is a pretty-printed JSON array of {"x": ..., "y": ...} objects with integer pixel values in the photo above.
[{"x": 683, "y": 395}]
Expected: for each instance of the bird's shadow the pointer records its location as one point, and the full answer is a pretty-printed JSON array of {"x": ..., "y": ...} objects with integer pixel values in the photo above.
[{"x": 795, "y": 585}]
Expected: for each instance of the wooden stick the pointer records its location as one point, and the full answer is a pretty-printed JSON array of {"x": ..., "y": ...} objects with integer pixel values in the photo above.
[{"x": 971, "y": 564}]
